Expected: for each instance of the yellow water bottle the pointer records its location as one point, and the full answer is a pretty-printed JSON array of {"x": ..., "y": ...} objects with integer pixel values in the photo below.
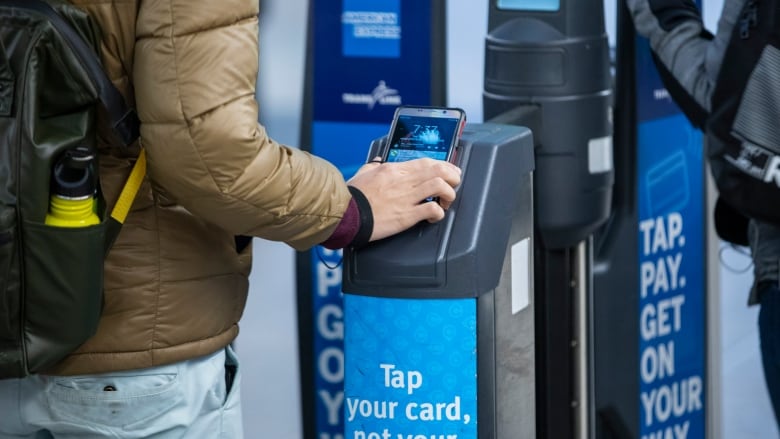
[{"x": 73, "y": 190}]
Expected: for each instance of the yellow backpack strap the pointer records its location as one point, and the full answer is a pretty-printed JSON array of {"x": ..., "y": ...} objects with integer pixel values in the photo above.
[
  {"x": 132, "y": 185},
  {"x": 125, "y": 201}
]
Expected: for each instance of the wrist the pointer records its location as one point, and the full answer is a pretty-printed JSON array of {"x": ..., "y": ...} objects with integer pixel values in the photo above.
[
  {"x": 366, "y": 228},
  {"x": 356, "y": 225}
]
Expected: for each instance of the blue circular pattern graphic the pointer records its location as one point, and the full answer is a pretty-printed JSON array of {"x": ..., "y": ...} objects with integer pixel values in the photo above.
[{"x": 410, "y": 368}]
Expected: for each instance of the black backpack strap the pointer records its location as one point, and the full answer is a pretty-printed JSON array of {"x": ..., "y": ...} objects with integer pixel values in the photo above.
[
  {"x": 730, "y": 225},
  {"x": 124, "y": 121},
  {"x": 6, "y": 83}
]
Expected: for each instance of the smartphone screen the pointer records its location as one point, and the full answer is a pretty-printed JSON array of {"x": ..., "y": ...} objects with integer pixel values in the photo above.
[{"x": 419, "y": 132}]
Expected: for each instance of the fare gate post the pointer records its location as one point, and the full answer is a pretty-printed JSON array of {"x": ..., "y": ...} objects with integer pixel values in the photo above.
[
  {"x": 439, "y": 333},
  {"x": 651, "y": 369},
  {"x": 547, "y": 66}
]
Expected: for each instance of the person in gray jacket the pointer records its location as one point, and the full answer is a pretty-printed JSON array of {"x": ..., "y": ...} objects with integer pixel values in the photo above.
[{"x": 691, "y": 57}]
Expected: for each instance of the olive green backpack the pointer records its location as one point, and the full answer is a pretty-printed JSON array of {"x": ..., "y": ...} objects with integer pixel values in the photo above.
[{"x": 52, "y": 87}]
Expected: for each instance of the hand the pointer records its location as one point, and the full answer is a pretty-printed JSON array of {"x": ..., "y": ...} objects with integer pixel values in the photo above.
[{"x": 395, "y": 192}]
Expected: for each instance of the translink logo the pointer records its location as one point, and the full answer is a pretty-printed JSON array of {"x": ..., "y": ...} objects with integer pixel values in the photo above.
[{"x": 382, "y": 95}]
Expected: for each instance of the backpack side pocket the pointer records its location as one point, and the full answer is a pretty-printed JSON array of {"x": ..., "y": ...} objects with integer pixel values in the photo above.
[{"x": 64, "y": 291}]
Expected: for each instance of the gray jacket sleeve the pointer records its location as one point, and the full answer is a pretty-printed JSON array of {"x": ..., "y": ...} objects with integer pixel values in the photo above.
[{"x": 681, "y": 44}]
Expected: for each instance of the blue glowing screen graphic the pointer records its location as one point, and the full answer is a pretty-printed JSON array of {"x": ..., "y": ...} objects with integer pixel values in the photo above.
[{"x": 416, "y": 137}]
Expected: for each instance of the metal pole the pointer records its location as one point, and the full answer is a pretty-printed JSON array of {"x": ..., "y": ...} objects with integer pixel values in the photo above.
[{"x": 582, "y": 341}]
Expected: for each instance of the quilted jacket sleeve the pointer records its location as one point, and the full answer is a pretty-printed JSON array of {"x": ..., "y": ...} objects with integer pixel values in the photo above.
[{"x": 195, "y": 71}]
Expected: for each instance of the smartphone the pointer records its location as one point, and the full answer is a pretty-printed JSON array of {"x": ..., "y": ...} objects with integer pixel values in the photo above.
[{"x": 418, "y": 132}]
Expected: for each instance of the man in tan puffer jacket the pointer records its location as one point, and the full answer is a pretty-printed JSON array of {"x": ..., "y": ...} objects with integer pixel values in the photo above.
[{"x": 160, "y": 364}]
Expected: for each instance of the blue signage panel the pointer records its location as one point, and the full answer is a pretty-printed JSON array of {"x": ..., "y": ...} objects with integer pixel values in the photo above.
[
  {"x": 410, "y": 368},
  {"x": 371, "y": 32},
  {"x": 369, "y": 56},
  {"x": 328, "y": 344},
  {"x": 367, "y": 88},
  {"x": 671, "y": 237}
]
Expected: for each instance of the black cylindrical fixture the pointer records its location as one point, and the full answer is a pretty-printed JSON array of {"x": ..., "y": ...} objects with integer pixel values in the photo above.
[{"x": 550, "y": 59}]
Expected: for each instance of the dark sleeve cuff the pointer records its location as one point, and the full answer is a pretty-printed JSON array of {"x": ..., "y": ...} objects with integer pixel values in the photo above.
[
  {"x": 356, "y": 225},
  {"x": 366, "y": 218}
]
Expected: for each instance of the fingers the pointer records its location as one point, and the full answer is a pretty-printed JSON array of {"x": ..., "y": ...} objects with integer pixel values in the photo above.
[
  {"x": 395, "y": 192},
  {"x": 428, "y": 178},
  {"x": 429, "y": 168},
  {"x": 372, "y": 164},
  {"x": 431, "y": 212},
  {"x": 438, "y": 188},
  {"x": 440, "y": 182}
]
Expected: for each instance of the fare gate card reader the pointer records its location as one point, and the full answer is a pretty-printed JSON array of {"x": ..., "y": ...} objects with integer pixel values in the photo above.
[
  {"x": 462, "y": 255},
  {"x": 439, "y": 320}
]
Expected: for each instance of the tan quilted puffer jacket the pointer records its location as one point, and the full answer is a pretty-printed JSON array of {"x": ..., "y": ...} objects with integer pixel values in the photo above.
[{"x": 175, "y": 284}]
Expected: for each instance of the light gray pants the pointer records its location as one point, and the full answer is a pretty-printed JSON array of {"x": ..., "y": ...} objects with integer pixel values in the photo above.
[{"x": 190, "y": 399}]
